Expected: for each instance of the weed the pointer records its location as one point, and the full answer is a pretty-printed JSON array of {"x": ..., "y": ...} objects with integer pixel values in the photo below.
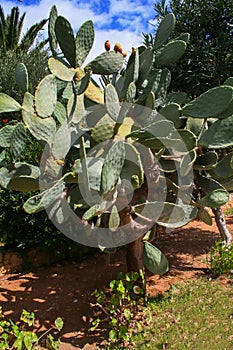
[
  {"x": 17, "y": 336},
  {"x": 221, "y": 259},
  {"x": 118, "y": 306}
]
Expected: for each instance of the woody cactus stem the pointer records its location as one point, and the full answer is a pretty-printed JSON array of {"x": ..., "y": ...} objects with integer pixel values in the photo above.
[
  {"x": 221, "y": 223},
  {"x": 134, "y": 255}
]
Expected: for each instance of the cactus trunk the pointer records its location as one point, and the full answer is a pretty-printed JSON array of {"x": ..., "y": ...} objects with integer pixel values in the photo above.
[{"x": 134, "y": 255}]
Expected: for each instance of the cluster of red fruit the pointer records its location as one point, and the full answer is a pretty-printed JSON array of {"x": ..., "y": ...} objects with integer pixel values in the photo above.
[{"x": 117, "y": 48}]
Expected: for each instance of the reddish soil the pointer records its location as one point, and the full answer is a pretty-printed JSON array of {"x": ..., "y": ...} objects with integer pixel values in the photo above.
[{"x": 65, "y": 290}]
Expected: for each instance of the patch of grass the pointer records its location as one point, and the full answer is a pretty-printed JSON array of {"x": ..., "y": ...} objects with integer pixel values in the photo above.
[
  {"x": 221, "y": 259},
  {"x": 196, "y": 315}
]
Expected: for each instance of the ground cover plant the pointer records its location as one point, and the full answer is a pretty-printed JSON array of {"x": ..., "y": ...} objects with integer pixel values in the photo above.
[
  {"x": 145, "y": 157},
  {"x": 189, "y": 316},
  {"x": 21, "y": 335}
]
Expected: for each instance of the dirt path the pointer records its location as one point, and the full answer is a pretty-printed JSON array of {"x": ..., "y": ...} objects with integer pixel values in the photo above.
[{"x": 65, "y": 290}]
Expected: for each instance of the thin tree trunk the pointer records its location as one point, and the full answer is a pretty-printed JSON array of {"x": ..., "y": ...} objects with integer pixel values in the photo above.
[
  {"x": 134, "y": 255},
  {"x": 221, "y": 223}
]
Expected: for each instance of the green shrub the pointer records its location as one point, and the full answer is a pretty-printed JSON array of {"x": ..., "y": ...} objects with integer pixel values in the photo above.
[{"x": 221, "y": 259}]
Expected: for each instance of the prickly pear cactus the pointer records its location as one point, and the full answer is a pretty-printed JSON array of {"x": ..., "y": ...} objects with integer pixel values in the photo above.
[{"x": 124, "y": 156}]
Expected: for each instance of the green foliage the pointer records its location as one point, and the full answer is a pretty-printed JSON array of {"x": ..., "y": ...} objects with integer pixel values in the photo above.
[
  {"x": 94, "y": 175},
  {"x": 221, "y": 259},
  {"x": 154, "y": 260},
  {"x": 11, "y": 29},
  {"x": 118, "y": 306},
  {"x": 208, "y": 58},
  {"x": 21, "y": 335}
]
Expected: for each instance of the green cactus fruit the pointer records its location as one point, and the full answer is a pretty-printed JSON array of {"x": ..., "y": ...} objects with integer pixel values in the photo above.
[
  {"x": 46, "y": 96},
  {"x": 218, "y": 135},
  {"x": 112, "y": 101},
  {"x": 184, "y": 37},
  {"x": 170, "y": 53},
  {"x": 101, "y": 133},
  {"x": 209, "y": 104},
  {"x": 171, "y": 112},
  {"x": 6, "y": 135},
  {"x": 18, "y": 140},
  {"x": 107, "y": 63},
  {"x": 228, "y": 81},
  {"x": 206, "y": 161},
  {"x": 60, "y": 69},
  {"x": 164, "y": 30},
  {"x": 66, "y": 40},
  {"x": 154, "y": 260},
  {"x": 51, "y": 30},
  {"x": 114, "y": 219},
  {"x": 204, "y": 216},
  {"x": 84, "y": 42},
  {"x": 21, "y": 77},
  {"x": 214, "y": 199},
  {"x": 41, "y": 129},
  {"x": 132, "y": 170},
  {"x": 112, "y": 166},
  {"x": 8, "y": 104}
]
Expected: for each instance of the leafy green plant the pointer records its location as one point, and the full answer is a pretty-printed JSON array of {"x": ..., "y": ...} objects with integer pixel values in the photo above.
[
  {"x": 221, "y": 259},
  {"x": 18, "y": 336},
  {"x": 123, "y": 160},
  {"x": 118, "y": 305}
]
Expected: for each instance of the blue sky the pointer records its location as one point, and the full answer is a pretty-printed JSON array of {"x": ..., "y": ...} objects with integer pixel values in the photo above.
[{"x": 116, "y": 20}]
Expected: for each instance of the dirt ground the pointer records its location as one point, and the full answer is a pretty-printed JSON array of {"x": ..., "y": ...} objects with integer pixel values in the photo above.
[{"x": 65, "y": 289}]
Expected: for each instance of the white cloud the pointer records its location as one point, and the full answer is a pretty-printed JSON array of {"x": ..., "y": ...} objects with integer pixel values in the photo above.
[{"x": 131, "y": 16}]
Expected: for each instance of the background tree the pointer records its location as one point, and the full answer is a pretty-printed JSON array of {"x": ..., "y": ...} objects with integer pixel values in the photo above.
[
  {"x": 208, "y": 60},
  {"x": 11, "y": 30}
]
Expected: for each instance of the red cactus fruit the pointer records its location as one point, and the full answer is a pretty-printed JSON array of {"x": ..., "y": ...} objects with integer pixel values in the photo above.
[{"x": 107, "y": 45}]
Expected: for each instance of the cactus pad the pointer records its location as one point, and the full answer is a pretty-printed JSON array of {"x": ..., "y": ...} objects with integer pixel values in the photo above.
[
  {"x": 46, "y": 96},
  {"x": 21, "y": 77},
  {"x": 108, "y": 62},
  {"x": 112, "y": 166},
  {"x": 8, "y": 104}
]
